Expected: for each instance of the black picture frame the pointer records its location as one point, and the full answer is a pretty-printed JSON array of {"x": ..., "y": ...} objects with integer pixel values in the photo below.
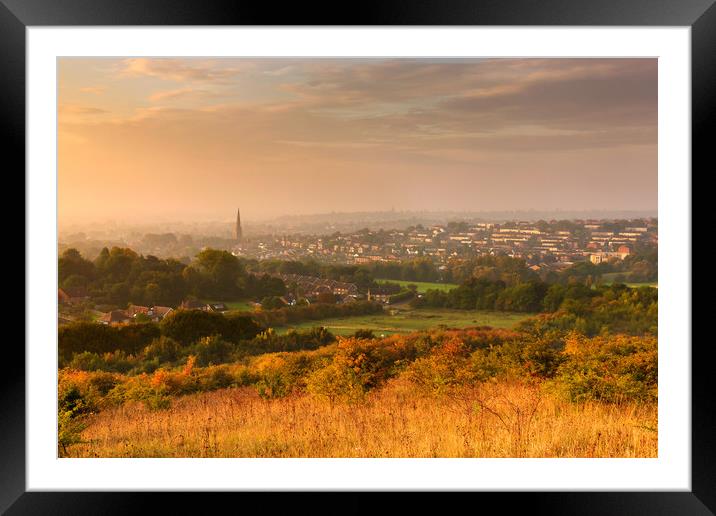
[{"x": 16, "y": 15}]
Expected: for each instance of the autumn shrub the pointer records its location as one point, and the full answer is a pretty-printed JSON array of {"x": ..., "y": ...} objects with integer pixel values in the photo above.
[
  {"x": 486, "y": 337},
  {"x": 270, "y": 372},
  {"x": 213, "y": 350},
  {"x": 134, "y": 388},
  {"x": 85, "y": 361},
  {"x": 73, "y": 401},
  {"x": 154, "y": 391},
  {"x": 548, "y": 324},
  {"x": 77, "y": 397},
  {"x": 493, "y": 363},
  {"x": 374, "y": 360},
  {"x": 164, "y": 349},
  {"x": 339, "y": 381},
  {"x": 466, "y": 357},
  {"x": 358, "y": 366},
  {"x": 272, "y": 385},
  {"x": 541, "y": 356},
  {"x": 81, "y": 392},
  {"x": 69, "y": 430},
  {"x": 279, "y": 374},
  {"x": 444, "y": 367},
  {"x": 436, "y": 360},
  {"x": 212, "y": 378},
  {"x": 116, "y": 361},
  {"x": 609, "y": 368},
  {"x": 157, "y": 400},
  {"x": 102, "y": 382},
  {"x": 243, "y": 376}
]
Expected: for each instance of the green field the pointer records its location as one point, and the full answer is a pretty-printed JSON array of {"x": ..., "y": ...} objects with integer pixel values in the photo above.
[
  {"x": 422, "y": 285},
  {"x": 608, "y": 279},
  {"x": 407, "y": 320},
  {"x": 647, "y": 284},
  {"x": 244, "y": 306}
]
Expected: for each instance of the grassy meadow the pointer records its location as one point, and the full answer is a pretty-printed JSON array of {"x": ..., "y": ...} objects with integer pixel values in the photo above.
[
  {"x": 494, "y": 420},
  {"x": 634, "y": 284},
  {"x": 423, "y": 286},
  {"x": 241, "y": 306},
  {"x": 405, "y": 320},
  {"x": 609, "y": 277},
  {"x": 476, "y": 392}
]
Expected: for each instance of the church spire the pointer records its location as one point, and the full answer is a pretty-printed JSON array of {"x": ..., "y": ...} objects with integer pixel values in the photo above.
[{"x": 238, "y": 233}]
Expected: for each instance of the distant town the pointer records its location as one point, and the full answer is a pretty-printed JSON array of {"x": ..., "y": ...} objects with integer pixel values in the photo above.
[
  {"x": 543, "y": 243},
  {"x": 376, "y": 237},
  {"x": 544, "y": 248}
]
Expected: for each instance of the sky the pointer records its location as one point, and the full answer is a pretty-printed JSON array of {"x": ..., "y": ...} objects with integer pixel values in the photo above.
[{"x": 162, "y": 139}]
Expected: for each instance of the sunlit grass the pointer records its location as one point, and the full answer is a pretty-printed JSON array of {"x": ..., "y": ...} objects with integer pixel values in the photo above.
[{"x": 491, "y": 420}]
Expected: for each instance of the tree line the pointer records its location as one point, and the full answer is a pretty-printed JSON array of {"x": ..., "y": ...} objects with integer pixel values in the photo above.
[
  {"x": 120, "y": 276},
  {"x": 635, "y": 268},
  {"x": 577, "y": 306},
  {"x": 183, "y": 326}
]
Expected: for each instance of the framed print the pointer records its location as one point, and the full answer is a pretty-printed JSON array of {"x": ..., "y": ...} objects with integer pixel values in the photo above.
[{"x": 411, "y": 250}]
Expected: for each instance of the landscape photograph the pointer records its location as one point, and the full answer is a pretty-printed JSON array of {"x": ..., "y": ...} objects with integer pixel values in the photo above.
[{"x": 316, "y": 257}]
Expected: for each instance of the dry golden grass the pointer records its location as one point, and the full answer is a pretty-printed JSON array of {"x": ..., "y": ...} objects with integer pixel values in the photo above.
[{"x": 491, "y": 420}]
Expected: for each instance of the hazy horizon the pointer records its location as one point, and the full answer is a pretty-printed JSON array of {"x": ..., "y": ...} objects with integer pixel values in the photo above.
[
  {"x": 191, "y": 139},
  {"x": 371, "y": 220},
  {"x": 490, "y": 215}
]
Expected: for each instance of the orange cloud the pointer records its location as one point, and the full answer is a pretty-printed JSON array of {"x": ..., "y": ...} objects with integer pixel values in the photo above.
[
  {"x": 180, "y": 69},
  {"x": 174, "y": 94}
]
